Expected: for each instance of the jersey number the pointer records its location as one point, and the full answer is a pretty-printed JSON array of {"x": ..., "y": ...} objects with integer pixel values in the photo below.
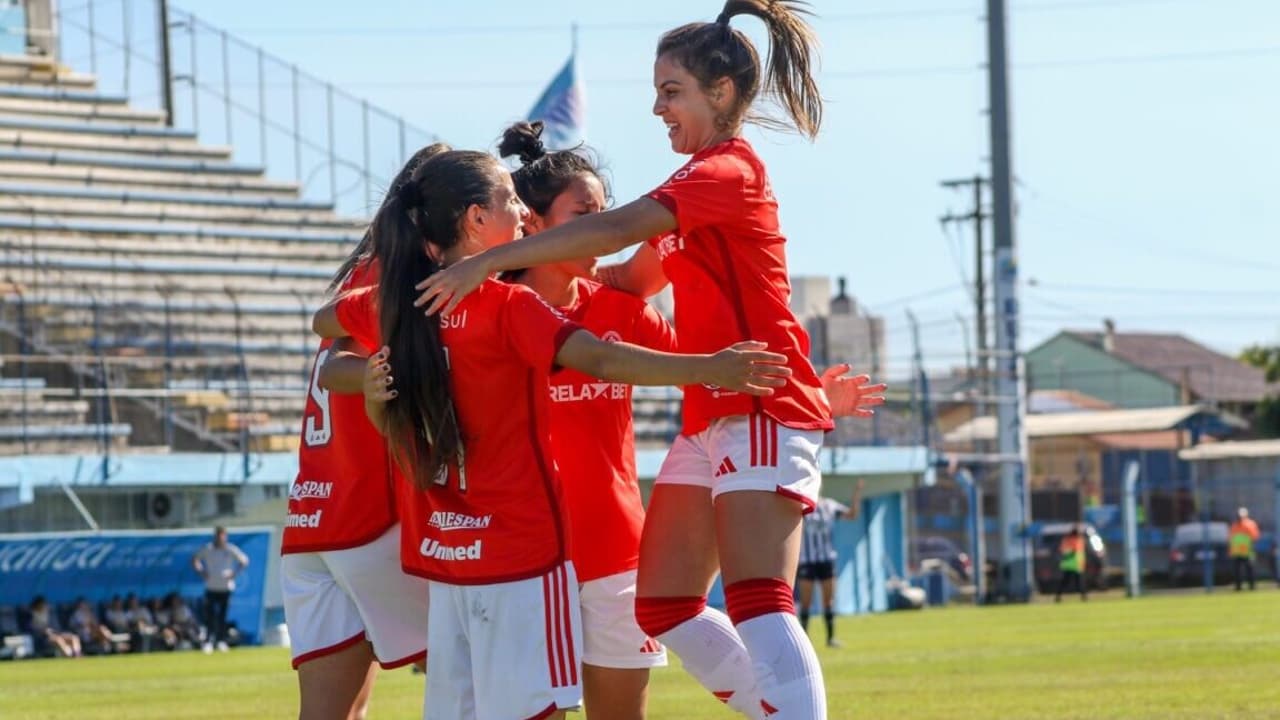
[{"x": 317, "y": 429}]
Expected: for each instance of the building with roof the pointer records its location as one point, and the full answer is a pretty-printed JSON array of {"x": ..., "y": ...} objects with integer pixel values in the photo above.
[{"x": 1138, "y": 369}]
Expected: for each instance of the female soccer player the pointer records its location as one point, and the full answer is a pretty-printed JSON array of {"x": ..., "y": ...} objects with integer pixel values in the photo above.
[
  {"x": 737, "y": 481},
  {"x": 347, "y": 602},
  {"x": 496, "y": 545},
  {"x": 592, "y": 436}
]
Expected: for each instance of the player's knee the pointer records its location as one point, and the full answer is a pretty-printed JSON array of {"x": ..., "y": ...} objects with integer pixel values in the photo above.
[
  {"x": 747, "y": 599},
  {"x": 658, "y": 615}
]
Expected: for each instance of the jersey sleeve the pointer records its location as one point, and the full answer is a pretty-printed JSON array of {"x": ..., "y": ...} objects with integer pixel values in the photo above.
[
  {"x": 653, "y": 331},
  {"x": 358, "y": 313},
  {"x": 704, "y": 193},
  {"x": 534, "y": 329}
]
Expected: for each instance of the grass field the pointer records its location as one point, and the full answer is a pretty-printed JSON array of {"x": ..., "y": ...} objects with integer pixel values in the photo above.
[{"x": 1184, "y": 656}]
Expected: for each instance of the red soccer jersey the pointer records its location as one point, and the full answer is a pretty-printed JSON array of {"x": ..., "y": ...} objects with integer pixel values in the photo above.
[
  {"x": 503, "y": 517},
  {"x": 593, "y": 440},
  {"x": 728, "y": 272},
  {"x": 344, "y": 495}
]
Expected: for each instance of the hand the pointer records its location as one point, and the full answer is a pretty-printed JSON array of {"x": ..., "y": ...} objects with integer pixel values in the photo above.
[
  {"x": 747, "y": 368},
  {"x": 851, "y": 396},
  {"x": 377, "y": 377},
  {"x": 228, "y": 574},
  {"x": 444, "y": 289}
]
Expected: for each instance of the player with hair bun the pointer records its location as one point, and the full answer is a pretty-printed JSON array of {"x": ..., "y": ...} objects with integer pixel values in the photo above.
[{"x": 592, "y": 435}]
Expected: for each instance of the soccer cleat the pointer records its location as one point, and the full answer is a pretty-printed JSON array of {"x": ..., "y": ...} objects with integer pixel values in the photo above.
[
  {"x": 222, "y": 647},
  {"x": 834, "y": 643},
  {"x": 207, "y": 648}
]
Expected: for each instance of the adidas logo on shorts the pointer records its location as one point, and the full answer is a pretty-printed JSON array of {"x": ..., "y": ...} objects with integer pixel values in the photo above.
[
  {"x": 651, "y": 646},
  {"x": 726, "y": 467}
]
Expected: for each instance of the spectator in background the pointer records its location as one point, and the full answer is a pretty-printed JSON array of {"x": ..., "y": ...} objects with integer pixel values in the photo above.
[
  {"x": 143, "y": 625},
  {"x": 116, "y": 617},
  {"x": 218, "y": 563},
  {"x": 1242, "y": 536},
  {"x": 84, "y": 622},
  {"x": 1072, "y": 563},
  {"x": 818, "y": 558},
  {"x": 46, "y": 635},
  {"x": 182, "y": 622}
]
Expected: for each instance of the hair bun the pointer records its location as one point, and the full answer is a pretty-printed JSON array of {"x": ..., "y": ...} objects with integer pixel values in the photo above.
[{"x": 523, "y": 139}]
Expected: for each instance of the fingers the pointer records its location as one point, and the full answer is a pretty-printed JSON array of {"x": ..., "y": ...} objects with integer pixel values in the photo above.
[
  {"x": 875, "y": 389},
  {"x": 757, "y": 390},
  {"x": 764, "y": 358},
  {"x": 836, "y": 371},
  {"x": 872, "y": 401}
]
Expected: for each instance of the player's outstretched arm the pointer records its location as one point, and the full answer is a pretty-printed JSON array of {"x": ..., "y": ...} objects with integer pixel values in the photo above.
[
  {"x": 588, "y": 236},
  {"x": 745, "y": 367},
  {"x": 343, "y": 368}
]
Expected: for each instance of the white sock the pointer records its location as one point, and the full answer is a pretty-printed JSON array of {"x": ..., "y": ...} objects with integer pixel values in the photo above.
[
  {"x": 788, "y": 675},
  {"x": 714, "y": 655}
]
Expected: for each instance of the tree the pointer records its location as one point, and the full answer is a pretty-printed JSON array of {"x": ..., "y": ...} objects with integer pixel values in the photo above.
[
  {"x": 1266, "y": 357},
  {"x": 1266, "y": 418}
]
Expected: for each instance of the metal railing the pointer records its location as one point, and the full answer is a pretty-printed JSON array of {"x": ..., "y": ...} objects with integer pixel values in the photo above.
[{"x": 337, "y": 147}]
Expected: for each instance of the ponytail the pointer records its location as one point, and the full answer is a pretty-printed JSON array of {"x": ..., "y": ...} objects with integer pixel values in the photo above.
[
  {"x": 711, "y": 51},
  {"x": 363, "y": 250},
  {"x": 422, "y": 425}
]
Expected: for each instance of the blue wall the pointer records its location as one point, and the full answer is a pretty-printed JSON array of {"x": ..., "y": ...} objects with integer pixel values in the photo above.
[{"x": 870, "y": 550}]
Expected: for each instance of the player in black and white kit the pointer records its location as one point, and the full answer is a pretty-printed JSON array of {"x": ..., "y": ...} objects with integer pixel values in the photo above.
[{"x": 818, "y": 558}]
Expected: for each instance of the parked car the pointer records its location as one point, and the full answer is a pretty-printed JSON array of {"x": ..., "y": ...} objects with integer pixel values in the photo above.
[
  {"x": 1194, "y": 544},
  {"x": 935, "y": 547},
  {"x": 1047, "y": 557}
]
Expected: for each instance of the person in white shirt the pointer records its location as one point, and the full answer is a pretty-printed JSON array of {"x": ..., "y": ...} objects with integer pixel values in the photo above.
[{"x": 218, "y": 563}]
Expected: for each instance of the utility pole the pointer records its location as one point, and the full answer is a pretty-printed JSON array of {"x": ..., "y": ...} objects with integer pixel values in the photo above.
[
  {"x": 978, "y": 217},
  {"x": 1014, "y": 578}
]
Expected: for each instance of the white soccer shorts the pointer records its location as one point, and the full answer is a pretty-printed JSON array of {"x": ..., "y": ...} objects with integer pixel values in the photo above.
[
  {"x": 612, "y": 637},
  {"x": 336, "y": 598},
  {"x": 508, "y": 651},
  {"x": 748, "y": 452}
]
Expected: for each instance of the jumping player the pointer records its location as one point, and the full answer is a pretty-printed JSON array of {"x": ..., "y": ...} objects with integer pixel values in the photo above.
[
  {"x": 496, "y": 545},
  {"x": 745, "y": 468},
  {"x": 347, "y": 602}
]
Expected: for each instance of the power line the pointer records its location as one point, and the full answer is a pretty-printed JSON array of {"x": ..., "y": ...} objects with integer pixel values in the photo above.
[
  {"x": 636, "y": 25},
  {"x": 867, "y": 73},
  {"x": 1130, "y": 290}
]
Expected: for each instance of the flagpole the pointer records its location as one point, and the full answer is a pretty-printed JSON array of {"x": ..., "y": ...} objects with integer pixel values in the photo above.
[{"x": 574, "y": 40}]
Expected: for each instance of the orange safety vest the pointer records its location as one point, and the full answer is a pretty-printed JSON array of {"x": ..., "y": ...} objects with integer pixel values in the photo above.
[
  {"x": 1072, "y": 554},
  {"x": 1241, "y": 537}
]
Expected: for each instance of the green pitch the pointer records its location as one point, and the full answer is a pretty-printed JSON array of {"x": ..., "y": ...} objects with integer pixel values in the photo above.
[{"x": 1185, "y": 656}]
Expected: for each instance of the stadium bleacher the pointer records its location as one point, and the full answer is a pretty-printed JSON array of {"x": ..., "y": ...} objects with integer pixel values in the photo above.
[
  {"x": 143, "y": 271},
  {"x": 156, "y": 292}
]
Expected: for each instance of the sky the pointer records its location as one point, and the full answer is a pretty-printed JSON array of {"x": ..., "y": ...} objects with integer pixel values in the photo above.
[{"x": 1146, "y": 140}]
